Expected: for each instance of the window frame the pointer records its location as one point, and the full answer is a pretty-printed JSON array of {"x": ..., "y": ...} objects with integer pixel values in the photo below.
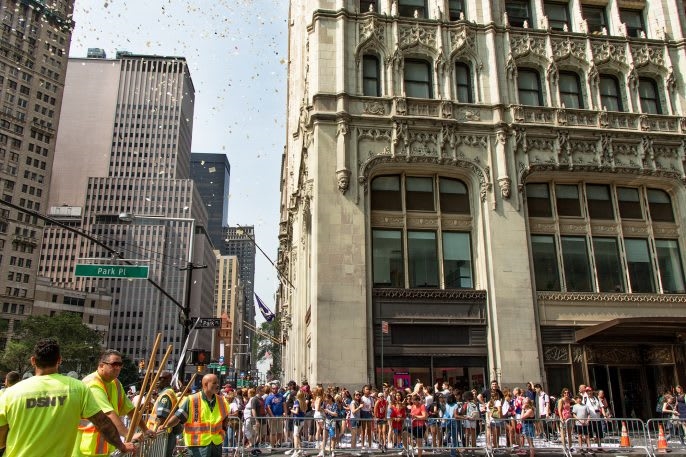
[
  {"x": 465, "y": 85},
  {"x": 376, "y": 78},
  {"x": 642, "y": 81},
  {"x": 578, "y": 94},
  {"x": 518, "y": 21},
  {"x": 539, "y": 89},
  {"x": 633, "y": 31},
  {"x": 404, "y": 9},
  {"x": 454, "y": 13},
  {"x": 429, "y": 83},
  {"x": 559, "y": 23},
  {"x": 617, "y": 86},
  {"x": 364, "y": 5},
  {"x": 595, "y": 27}
]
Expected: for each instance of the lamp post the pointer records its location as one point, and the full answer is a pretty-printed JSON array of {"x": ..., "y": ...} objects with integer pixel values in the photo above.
[{"x": 190, "y": 266}]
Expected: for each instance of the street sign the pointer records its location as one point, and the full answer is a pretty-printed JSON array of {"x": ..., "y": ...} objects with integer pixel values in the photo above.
[
  {"x": 206, "y": 322},
  {"x": 112, "y": 271},
  {"x": 213, "y": 365},
  {"x": 222, "y": 369}
]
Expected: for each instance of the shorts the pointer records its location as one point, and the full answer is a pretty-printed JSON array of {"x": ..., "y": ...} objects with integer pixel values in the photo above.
[
  {"x": 528, "y": 429},
  {"x": 275, "y": 426},
  {"x": 418, "y": 431},
  {"x": 354, "y": 423},
  {"x": 365, "y": 414},
  {"x": 595, "y": 430},
  {"x": 581, "y": 430}
]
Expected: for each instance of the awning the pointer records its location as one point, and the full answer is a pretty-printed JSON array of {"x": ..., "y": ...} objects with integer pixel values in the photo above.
[{"x": 635, "y": 330}]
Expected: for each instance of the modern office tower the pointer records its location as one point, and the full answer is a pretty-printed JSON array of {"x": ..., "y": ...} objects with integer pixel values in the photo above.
[
  {"x": 240, "y": 242},
  {"x": 478, "y": 190},
  {"x": 34, "y": 45},
  {"x": 124, "y": 147},
  {"x": 211, "y": 173},
  {"x": 230, "y": 307}
]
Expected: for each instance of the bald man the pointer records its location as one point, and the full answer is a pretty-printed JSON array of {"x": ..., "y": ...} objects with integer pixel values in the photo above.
[{"x": 198, "y": 410}]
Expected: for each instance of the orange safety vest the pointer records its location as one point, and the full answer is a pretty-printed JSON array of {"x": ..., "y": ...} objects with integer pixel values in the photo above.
[
  {"x": 152, "y": 418},
  {"x": 92, "y": 441},
  {"x": 204, "y": 426}
]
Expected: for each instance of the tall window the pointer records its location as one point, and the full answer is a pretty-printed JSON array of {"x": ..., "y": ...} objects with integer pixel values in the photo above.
[
  {"x": 610, "y": 96},
  {"x": 529, "y": 87},
  {"x": 387, "y": 261},
  {"x": 370, "y": 76},
  {"x": 418, "y": 79},
  {"x": 660, "y": 206},
  {"x": 419, "y": 195},
  {"x": 367, "y": 5},
  {"x": 639, "y": 265},
  {"x": 599, "y": 201},
  {"x": 545, "y": 262},
  {"x": 456, "y": 9},
  {"x": 671, "y": 272},
  {"x": 567, "y": 200},
  {"x": 422, "y": 252},
  {"x": 558, "y": 15},
  {"x": 633, "y": 19},
  {"x": 386, "y": 194},
  {"x": 407, "y": 8},
  {"x": 538, "y": 200},
  {"x": 576, "y": 265},
  {"x": 518, "y": 11},
  {"x": 454, "y": 197},
  {"x": 649, "y": 96},
  {"x": 629, "y": 203},
  {"x": 570, "y": 90},
  {"x": 595, "y": 17},
  {"x": 608, "y": 265},
  {"x": 457, "y": 260},
  {"x": 463, "y": 79}
]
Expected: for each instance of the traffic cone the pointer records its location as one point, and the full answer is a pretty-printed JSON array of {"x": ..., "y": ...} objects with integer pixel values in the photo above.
[
  {"x": 624, "y": 440},
  {"x": 661, "y": 441}
]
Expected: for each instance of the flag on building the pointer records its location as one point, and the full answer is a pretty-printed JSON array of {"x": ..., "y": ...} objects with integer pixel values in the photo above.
[
  {"x": 384, "y": 326},
  {"x": 266, "y": 312}
]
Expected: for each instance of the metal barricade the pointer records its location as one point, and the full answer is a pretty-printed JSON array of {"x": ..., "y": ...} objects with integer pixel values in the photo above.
[
  {"x": 152, "y": 447},
  {"x": 609, "y": 435},
  {"x": 666, "y": 435}
]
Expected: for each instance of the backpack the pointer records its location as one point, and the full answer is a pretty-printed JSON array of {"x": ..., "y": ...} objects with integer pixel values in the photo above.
[{"x": 660, "y": 401}]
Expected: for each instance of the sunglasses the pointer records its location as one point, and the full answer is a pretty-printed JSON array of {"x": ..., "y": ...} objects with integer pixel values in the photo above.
[{"x": 114, "y": 364}]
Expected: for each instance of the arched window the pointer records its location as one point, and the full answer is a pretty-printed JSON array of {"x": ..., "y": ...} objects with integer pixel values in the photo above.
[
  {"x": 371, "y": 77},
  {"x": 454, "y": 197},
  {"x": 570, "y": 90},
  {"x": 610, "y": 95},
  {"x": 386, "y": 193},
  {"x": 418, "y": 79},
  {"x": 463, "y": 80},
  {"x": 529, "y": 87},
  {"x": 649, "y": 96}
]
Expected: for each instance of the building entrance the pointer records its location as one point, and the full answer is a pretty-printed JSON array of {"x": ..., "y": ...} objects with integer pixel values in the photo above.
[{"x": 465, "y": 373}]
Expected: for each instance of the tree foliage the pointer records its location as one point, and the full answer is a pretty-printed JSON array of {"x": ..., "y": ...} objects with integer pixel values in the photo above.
[
  {"x": 80, "y": 345},
  {"x": 266, "y": 346}
]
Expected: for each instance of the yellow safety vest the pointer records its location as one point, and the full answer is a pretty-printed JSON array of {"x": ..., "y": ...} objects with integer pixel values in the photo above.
[
  {"x": 204, "y": 426},
  {"x": 152, "y": 418},
  {"x": 92, "y": 441}
]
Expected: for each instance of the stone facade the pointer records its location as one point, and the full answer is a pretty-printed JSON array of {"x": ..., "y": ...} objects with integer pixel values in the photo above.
[{"x": 484, "y": 131}]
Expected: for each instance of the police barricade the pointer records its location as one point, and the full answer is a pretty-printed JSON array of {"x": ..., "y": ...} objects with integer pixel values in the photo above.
[
  {"x": 150, "y": 447},
  {"x": 608, "y": 435},
  {"x": 666, "y": 435},
  {"x": 524, "y": 436}
]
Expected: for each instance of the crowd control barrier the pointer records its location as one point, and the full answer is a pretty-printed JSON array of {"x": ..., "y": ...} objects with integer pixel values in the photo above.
[{"x": 461, "y": 437}]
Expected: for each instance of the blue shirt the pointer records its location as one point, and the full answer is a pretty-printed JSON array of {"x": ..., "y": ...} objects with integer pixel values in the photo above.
[{"x": 275, "y": 403}]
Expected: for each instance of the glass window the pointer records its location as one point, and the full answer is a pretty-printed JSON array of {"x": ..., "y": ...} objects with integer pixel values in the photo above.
[
  {"x": 422, "y": 256},
  {"x": 567, "y": 199},
  {"x": 456, "y": 9},
  {"x": 463, "y": 78},
  {"x": 538, "y": 200},
  {"x": 387, "y": 261},
  {"x": 576, "y": 266},
  {"x": 669, "y": 262},
  {"x": 529, "y": 87},
  {"x": 633, "y": 19},
  {"x": 595, "y": 18},
  {"x": 418, "y": 79},
  {"x": 366, "y": 5},
  {"x": 649, "y": 96},
  {"x": 419, "y": 194},
  {"x": 660, "y": 206},
  {"x": 570, "y": 90},
  {"x": 386, "y": 193},
  {"x": 558, "y": 15},
  {"x": 370, "y": 76},
  {"x": 407, "y": 8},
  {"x": 545, "y": 262},
  {"x": 454, "y": 197},
  {"x": 457, "y": 260},
  {"x": 599, "y": 202},
  {"x": 518, "y": 11},
  {"x": 608, "y": 265},
  {"x": 610, "y": 96},
  {"x": 639, "y": 265},
  {"x": 629, "y": 203}
]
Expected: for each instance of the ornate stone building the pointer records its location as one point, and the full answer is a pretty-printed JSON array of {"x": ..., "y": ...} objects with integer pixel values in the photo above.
[{"x": 476, "y": 190}]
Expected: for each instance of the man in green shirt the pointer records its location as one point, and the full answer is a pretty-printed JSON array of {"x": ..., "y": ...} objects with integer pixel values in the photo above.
[{"x": 39, "y": 415}]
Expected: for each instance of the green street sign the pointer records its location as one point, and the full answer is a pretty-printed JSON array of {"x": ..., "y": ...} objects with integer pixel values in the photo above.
[
  {"x": 112, "y": 271},
  {"x": 213, "y": 365},
  {"x": 222, "y": 370}
]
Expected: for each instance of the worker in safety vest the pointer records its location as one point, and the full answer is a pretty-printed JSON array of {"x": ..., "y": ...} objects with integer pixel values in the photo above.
[
  {"x": 113, "y": 401},
  {"x": 166, "y": 401},
  {"x": 205, "y": 416},
  {"x": 39, "y": 416}
]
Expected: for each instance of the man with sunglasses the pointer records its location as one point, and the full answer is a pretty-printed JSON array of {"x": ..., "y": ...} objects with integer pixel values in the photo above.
[{"x": 112, "y": 399}]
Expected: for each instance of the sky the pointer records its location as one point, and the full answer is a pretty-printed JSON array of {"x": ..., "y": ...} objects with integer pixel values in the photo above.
[{"x": 237, "y": 52}]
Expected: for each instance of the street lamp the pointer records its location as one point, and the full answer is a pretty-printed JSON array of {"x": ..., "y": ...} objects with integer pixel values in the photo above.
[{"x": 190, "y": 266}]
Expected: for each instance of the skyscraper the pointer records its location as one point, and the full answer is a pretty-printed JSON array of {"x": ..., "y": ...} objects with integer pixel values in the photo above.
[
  {"x": 211, "y": 173},
  {"x": 124, "y": 147},
  {"x": 477, "y": 190},
  {"x": 240, "y": 242}
]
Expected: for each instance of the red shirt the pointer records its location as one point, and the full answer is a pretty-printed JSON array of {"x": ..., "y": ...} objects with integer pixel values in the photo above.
[
  {"x": 398, "y": 416},
  {"x": 380, "y": 408},
  {"x": 418, "y": 411}
]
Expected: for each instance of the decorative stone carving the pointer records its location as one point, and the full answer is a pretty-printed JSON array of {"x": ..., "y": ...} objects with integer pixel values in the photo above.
[
  {"x": 342, "y": 128},
  {"x": 525, "y": 44},
  {"x": 671, "y": 80},
  {"x": 400, "y": 104},
  {"x": 343, "y": 180},
  {"x": 417, "y": 35},
  {"x": 446, "y": 109},
  {"x": 568, "y": 47},
  {"x": 541, "y": 144},
  {"x": 375, "y": 134},
  {"x": 605, "y": 51},
  {"x": 372, "y": 28},
  {"x": 556, "y": 353},
  {"x": 551, "y": 73},
  {"x": 505, "y": 186},
  {"x": 645, "y": 53},
  {"x": 375, "y": 108},
  {"x": 511, "y": 66},
  {"x": 593, "y": 75},
  {"x": 469, "y": 114},
  {"x": 606, "y": 152},
  {"x": 461, "y": 39}
]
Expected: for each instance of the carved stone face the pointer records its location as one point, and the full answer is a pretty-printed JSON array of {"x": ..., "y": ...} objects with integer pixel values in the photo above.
[{"x": 343, "y": 177}]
